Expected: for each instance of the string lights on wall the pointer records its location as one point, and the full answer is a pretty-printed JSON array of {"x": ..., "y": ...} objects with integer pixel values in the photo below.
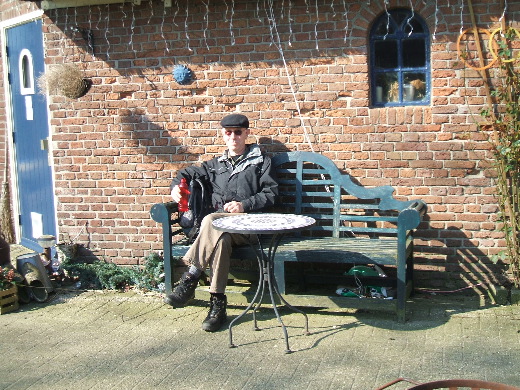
[{"x": 270, "y": 12}]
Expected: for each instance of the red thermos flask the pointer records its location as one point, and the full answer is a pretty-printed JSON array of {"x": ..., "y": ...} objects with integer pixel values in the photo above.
[{"x": 183, "y": 203}]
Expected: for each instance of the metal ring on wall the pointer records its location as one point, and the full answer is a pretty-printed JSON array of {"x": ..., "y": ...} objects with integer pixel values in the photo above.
[
  {"x": 493, "y": 53},
  {"x": 476, "y": 31}
]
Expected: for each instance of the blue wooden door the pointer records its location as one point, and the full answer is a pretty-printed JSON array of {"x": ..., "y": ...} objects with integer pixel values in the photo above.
[{"x": 30, "y": 134}]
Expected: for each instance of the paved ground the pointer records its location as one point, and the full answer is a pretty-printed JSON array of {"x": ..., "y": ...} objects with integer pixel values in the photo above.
[{"x": 110, "y": 340}]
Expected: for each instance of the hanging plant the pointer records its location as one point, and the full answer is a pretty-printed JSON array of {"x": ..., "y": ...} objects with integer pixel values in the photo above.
[{"x": 65, "y": 80}]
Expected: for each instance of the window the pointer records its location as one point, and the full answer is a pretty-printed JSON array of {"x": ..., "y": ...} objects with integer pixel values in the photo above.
[
  {"x": 400, "y": 59},
  {"x": 25, "y": 68}
]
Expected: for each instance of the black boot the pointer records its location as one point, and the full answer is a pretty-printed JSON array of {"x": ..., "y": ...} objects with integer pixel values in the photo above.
[
  {"x": 217, "y": 314},
  {"x": 184, "y": 291}
]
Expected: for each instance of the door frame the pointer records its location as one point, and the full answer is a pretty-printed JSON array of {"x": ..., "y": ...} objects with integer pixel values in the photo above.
[{"x": 4, "y": 26}]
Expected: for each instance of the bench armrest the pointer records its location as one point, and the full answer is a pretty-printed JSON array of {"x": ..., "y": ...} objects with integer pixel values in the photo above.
[
  {"x": 162, "y": 213},
  {"x": 410, "y": 217},
  {"x": 383, "y": 193}
]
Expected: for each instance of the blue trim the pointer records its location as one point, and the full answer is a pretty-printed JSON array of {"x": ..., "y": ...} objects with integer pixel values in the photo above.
[{"x": 398, "y": 33}]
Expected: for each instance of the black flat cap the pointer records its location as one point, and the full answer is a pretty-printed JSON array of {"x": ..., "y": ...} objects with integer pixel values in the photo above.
[{"x": 235, "y": 120}]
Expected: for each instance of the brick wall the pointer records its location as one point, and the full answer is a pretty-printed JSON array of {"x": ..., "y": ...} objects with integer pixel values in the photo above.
[{"x": 116, "y": 149}]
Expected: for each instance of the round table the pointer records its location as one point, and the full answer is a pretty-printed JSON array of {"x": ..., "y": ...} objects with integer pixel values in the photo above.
[{"x": 276, "y": 225}]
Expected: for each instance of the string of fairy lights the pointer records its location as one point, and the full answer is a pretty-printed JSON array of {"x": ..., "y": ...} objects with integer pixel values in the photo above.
[{"x": 272, "y": 13}]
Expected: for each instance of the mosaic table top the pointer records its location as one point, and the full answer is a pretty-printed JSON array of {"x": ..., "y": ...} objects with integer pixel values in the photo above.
[{"x": 263, "y": 223}]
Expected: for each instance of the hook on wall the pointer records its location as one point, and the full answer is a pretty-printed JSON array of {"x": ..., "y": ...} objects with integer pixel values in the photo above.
[{"x": 87, "y": 35}]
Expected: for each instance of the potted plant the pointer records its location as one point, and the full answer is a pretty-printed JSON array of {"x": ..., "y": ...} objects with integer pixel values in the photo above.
[
  {"x": 8, "y": 289},
  {"x": 67, "y": 250}
]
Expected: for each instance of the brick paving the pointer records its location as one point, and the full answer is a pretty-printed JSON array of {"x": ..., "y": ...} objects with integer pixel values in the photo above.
[{"x": 110, "y": 340}]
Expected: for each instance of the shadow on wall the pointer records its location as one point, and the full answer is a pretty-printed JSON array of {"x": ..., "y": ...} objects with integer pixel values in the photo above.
[
  {"x": 271, "y": 146},
  {"x": 458, "y": 266},
  {"x": 145, "y": 129}
]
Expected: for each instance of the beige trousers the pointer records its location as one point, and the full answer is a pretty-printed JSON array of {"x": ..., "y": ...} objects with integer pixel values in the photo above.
[{"x": 213, "y": 247}]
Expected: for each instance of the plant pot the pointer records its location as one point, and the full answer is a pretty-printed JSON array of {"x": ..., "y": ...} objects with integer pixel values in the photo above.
[
  {"x": 36, "y": 276},
  {"x": 67, "y": 252},
  {"x": 515, "y": 296},
  {"x": 498, "y": 294},
  {"x": 9, "y": 300}
]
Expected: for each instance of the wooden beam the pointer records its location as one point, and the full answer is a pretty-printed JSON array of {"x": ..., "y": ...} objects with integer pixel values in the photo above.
[
  {"x": 483, "y": 72},
  {"x": 53, "y": 4}
]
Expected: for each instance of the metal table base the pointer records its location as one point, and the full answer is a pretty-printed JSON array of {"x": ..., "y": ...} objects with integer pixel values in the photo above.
[{"x": 267, "y": 279}]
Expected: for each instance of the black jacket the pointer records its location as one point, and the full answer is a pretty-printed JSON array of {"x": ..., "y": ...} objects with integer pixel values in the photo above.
[{"x": 251, "y": 181}]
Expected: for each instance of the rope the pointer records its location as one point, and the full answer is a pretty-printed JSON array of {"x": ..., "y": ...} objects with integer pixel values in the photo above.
[
  {"x": 452, "y": 291},
  {"x": 278, "y": 46}
]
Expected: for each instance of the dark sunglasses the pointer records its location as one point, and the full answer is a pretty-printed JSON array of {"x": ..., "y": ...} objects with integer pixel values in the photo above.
[{"x": 237, "y": 132}]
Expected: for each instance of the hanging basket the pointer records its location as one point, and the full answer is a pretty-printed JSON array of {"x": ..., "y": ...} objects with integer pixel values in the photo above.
[
  {"x": 9, "y": 300},
  {"x": 65, "y": 80}
]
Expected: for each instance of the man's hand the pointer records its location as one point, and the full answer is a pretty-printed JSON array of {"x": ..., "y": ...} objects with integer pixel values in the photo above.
[
  {"x": 176, "y": 194},
  {"x": 234, "y": 207}
]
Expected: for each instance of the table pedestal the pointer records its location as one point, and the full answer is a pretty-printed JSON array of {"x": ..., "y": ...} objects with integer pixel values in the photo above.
[{"x": 267, "y": 281}]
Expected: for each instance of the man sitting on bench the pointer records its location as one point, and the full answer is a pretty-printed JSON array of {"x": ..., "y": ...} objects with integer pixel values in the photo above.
[{"x": 241, "y": 180}]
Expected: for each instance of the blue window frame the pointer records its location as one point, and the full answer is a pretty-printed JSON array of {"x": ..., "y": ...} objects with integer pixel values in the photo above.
[{"x": 399, "y": 60}]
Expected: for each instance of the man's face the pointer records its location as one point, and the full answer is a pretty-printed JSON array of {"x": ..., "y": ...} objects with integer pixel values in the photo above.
[{"x": 235, "y": 139}]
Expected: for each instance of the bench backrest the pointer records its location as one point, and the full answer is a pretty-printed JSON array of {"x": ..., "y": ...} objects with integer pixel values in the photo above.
[{"x": 311, "y": 184}]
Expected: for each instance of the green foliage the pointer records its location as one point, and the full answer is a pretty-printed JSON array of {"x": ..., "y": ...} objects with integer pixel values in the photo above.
[
  {"x": 503, "y": 125},
  {"x": 105, "y": 275},
  {"x": 151, "y": 276}
]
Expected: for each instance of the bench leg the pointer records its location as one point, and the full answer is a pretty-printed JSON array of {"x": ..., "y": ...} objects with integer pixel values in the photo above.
[
  {"x": 401, "y": 293},
  {"x": 168, "y": 274}
]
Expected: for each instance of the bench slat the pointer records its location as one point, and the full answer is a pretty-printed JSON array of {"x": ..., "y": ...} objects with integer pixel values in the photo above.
[
  {"x": 354, "y": 229},
  {"x": 334, "y": 250},
  {"x": 324, "y": 250}
]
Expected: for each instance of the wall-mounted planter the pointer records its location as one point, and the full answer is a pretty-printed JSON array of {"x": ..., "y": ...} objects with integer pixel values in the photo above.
[
  {"x": 64, "y": 80},
  {"x": 182, "y": 74}
]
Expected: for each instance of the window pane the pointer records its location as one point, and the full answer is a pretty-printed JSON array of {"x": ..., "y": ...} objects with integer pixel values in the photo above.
[
  {"x": 385, "y": 54},
  {"x": 413, "y": 27},
  {"x": 414, "y": 53},
  {"x": 414, "y": 87},
  {"x": 399, "y": 63},
  {"x": 387, "y": 88},
  {"x": 385, "y": 27},
  {"x": 401, "y": 16},
  {"x": 26, "y": 73}
]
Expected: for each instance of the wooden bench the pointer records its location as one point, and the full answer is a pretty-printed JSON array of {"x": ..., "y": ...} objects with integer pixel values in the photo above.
[{"x": 355, "y": 226}]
